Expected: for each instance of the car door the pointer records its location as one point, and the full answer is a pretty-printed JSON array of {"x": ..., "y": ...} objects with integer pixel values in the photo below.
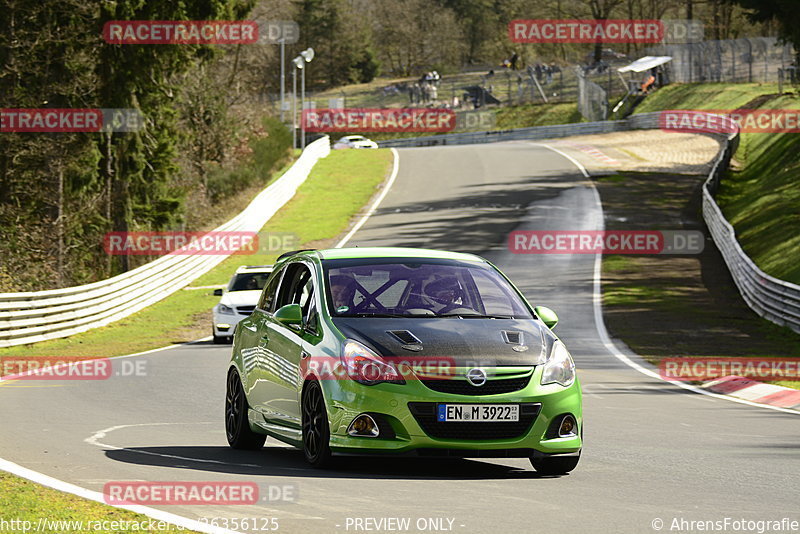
[
  {"x": 252, "y": 337},
  {"x": 284, "y": 347}
]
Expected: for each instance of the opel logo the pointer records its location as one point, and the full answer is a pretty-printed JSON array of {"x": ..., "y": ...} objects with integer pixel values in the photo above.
[{"x": 476, "y": 377}]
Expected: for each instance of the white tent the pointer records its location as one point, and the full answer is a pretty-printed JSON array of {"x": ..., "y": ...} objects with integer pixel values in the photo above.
[{"x": 645, "y": 63}]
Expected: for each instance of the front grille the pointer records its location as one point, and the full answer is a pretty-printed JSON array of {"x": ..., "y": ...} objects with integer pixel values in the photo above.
[
  {"x": 425, "y": 415},
  {"x": 491, "y": 387},
  {"x": 245, "y": 310}
]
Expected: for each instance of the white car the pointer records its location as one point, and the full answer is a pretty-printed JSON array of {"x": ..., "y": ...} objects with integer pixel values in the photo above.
[
  {"x": 354, "y": 141},
  {"x": 238, "y": 300}
]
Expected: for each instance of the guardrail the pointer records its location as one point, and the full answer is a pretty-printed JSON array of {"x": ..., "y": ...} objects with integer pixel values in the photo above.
[
  {"x": 773, "y": 299},
  {"x": 642, "y": 121},
  {"x": 30, "y": 317}
]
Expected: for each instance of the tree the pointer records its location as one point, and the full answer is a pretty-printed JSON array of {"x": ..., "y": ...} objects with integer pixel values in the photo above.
[
  {"x": 48, "y": 189},
  {"x": 416, "y": 36},
  {"x": 785, "y": 13},
  {"x": 138, "y": 167},
  {"x": 601, "y": 10},
  {"x": 341, "y": 40}
]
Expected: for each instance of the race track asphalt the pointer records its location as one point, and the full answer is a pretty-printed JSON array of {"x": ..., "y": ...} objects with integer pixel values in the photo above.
[{"x": 652, "y": 450}]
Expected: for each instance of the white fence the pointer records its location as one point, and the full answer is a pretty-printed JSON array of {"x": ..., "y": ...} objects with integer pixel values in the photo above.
[
  {"x": 30, "y": 317},
  {"x": 775, "y": 300}
]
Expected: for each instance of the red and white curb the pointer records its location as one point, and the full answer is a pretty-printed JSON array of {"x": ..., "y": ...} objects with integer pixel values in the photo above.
[
  {"x": 755, "y": 391},
  {"x": 592, "y": 151}
]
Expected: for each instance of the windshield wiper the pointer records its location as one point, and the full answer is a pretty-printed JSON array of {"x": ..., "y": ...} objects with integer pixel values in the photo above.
[
  {"x": 476, "y": 316},
  {"x": 366, "y": 314}
]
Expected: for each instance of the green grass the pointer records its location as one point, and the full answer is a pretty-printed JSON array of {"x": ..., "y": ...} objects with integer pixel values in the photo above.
[
  {"x": 704, "y": 96},
  {"x": 760, "y": 197},
  {"x": 671, "y": 305},
  {"x": 336, "y": 190},
  {"x": 528, "y": 115},
  {"x": 25, "y": 501},
  {"x": 613, "y": 178}
]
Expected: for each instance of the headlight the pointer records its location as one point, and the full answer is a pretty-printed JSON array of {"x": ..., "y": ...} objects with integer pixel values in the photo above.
[
  {"x": 559, "y": 369},
  {"x": 221, "y": 308},
  {"x": 366, "y": 367}
]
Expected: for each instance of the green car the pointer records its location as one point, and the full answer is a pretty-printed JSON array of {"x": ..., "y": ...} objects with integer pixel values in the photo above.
[{"x": 396, "y": 351}]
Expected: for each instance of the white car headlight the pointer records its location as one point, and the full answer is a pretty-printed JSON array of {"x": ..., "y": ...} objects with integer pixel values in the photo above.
[
  {"x": 559, "y": 369},
  {"x": 366, "y": 367},
  {"x": 221, "y": 308}
]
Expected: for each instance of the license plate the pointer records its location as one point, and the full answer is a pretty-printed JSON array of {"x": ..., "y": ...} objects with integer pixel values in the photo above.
[{"x": 478, "y": 413}]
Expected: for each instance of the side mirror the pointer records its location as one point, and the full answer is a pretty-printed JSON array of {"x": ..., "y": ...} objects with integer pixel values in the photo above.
[
  {"x": 217, "y": 292},
  {"x": 548, "y": 316},
  {"x": 289, "y": 315}
]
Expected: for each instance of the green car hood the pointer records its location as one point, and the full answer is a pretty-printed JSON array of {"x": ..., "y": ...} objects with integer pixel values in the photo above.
[{"x": 467, "y": 342}]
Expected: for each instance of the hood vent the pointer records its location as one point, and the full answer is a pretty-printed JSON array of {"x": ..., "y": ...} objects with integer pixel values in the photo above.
[
  {"x": 512, "y": 338},
  {"x": 405, "y": 337}
]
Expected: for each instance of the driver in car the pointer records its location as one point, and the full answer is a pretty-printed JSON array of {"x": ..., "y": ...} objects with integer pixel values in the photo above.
[
  {"x": 446, "y": 292},
  {"x": 343, "y": 291},
  {"x": 251, "y": 284}
]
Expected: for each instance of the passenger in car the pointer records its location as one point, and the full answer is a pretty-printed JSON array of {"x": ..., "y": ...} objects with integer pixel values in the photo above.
[{"x": 343, "y": 290}]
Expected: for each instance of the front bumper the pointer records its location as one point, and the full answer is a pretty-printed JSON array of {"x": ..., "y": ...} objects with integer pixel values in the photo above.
[
  {"x": 398, "y": 405},
  {"x": 223, "y": 324}
]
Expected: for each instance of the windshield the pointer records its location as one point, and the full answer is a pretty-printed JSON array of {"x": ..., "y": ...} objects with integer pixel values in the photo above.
[
  {"x": 248, "y": 282},
  {"x": 419, "y": 288}
]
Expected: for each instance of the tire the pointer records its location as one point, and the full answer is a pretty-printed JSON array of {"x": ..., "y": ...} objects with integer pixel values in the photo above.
[
  {"x": 219, "y": 340},
  {"x": 316, "y": 432},
  {"x": 555, "y": 465},
  {"x": 237, "y": 427}
]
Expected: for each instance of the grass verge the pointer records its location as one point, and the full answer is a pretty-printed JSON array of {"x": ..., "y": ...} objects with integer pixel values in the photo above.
[
  {"x": 760, "y": 196},
  {"x": 336, "y": 190},
  {"x": 677, "y": 305},
  {"x": 25, "y": 501},
  {"x": 528, "y": 115}
]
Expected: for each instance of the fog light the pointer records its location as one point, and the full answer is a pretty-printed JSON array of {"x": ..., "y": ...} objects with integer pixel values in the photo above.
[
  {"x": 223, "y": 326},
  {"x": 363, "y": 426},
  {"x": 568, "y": 427}
]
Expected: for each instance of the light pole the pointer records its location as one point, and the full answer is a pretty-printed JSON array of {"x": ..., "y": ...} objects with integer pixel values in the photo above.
[
  {"x": 307, "y": 55},
  {"x": 298, "y": 62},
  {"x": 283, "y": 73}
]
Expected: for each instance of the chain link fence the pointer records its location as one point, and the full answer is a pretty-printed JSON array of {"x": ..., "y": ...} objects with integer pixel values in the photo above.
[
  {"x": 788, "y": 76},
  {"x": 592, "y": 99},
  {"x": 755, "y": 59}
]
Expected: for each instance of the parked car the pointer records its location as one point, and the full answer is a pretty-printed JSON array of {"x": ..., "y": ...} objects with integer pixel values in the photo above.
[
  {"x": 402, "y": 351},
  {"x": 238, "y": 300},
  {"x": 354, "y": 141}
]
